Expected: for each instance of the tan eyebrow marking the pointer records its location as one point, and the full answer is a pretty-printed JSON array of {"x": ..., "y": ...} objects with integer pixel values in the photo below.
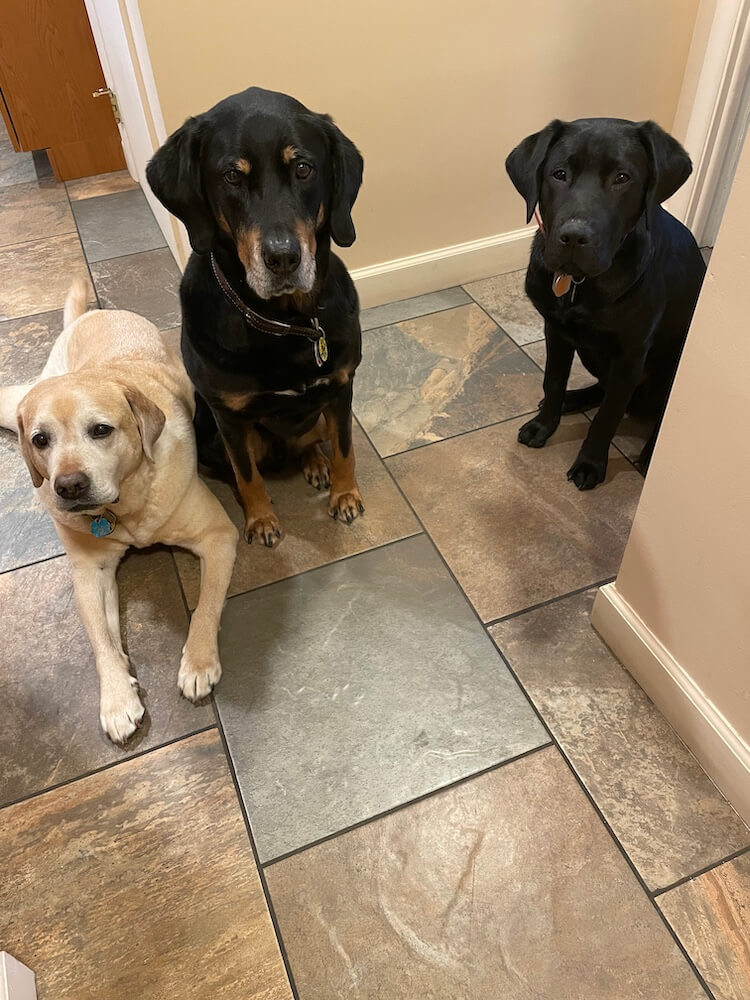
[
  {"x": 243, "y": 166},
  {"x": 289, "y": 153}
]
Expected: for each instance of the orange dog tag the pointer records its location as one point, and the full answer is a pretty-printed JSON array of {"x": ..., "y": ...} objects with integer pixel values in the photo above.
[{"x": 561, "y": 283}]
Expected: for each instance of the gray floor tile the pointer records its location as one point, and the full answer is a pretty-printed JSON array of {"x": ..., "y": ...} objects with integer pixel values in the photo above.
[
  {"x": 439, "y": 375},
  {"x": 356, "y": 687},
  {"x": 146, "y": 283},
  {"x": 420, "y": 305},
  {"x": 49, "y": 700},
  {"x": 117, "y": 224},
  {"x": 664, "y": 810},
  {"x": 505, "y": 299},
  {"x": 579, "y": 376},
  {"x": 15, "y": 168}
]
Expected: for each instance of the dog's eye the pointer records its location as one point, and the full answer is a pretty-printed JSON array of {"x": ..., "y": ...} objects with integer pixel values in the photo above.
[
  {"x": 232, "y": 176},
  {"x": 303, "y": 170},
  {"x": 621, "y": 177},
  {"x": 101, "y": 431},
  {"x": 559, "y": 175},
  {"x": 40, "y": 440}
]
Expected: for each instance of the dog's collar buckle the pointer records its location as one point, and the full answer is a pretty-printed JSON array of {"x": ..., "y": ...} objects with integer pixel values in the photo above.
[{"x": 103, "y": 524}]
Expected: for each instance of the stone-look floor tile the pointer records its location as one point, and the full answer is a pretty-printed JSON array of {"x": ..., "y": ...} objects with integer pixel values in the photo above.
[
  {"x": 312, "y": 538},
  {"x": 145, "y": 283},
  {"x": 26, "y": 530},
  {"x": 37, "y": 275},
  {"x": 358, "y": 687},
  {"x": 512, "y": 527},
  {"x": 507, "y": 886},
  {"x": 505, "y": 299},
  {"x": 711, "y": 916},
  {"x": 30, "y": 212},
  {"x": 100, "y": 184},
  {"x": 579, "y": 376},
  {"x": 420, "y": 305},
  {"x": 117, "y": 224},
  {"x": 50, "y": 693},
  {"x": 660, "y": 803},
  {"x": 15, "y": 168},
  {"x": 439, "y": 375},
  {"x": 140, "y": 882}
]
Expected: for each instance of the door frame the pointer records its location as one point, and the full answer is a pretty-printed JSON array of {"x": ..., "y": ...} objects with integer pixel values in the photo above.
[{"x": 711, "y": 108}]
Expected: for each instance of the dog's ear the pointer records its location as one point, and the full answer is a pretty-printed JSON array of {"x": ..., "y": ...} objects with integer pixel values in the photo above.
[
  {"x": 149, "y": 418},
  {"x": 174, "y": 175},
  {"x": 348, "y": 166},
  {"x": 526, "y": 162},
  {"x": 669, "y": 164},
  {"x": 27, "y": 451}
]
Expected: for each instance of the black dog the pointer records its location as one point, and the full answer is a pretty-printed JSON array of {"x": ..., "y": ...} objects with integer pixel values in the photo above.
[
  {"x": 270, "y": 330},
  {"x": 614, "y": 275}
]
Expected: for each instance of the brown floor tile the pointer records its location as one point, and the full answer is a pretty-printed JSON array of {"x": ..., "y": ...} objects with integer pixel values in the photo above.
[
  {"x": 100, "y": 184},
  {"x": 140, "y": 882},
  {"x": 50, "y": 694},
  {"x": 711, "y": 916},
  {"x": 507, "y": 886},
  {"x": 660, "y": 803},
  {"x": 511, "y": 526},
  {"x": 37, "y": 275},
  {"x": 25, "y": 344},
  {"x": 312, "y": 538},
  {"x": 579, "y": 376},
  {"x": 145, "y": 283},
  {"x": 504, "y": 298},
  {"x": 30, "y": 212},
  {"x": 438, "y": 375}
]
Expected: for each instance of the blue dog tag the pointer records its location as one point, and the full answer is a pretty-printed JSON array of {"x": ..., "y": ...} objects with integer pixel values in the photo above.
[{"x": 103, "y": 525}]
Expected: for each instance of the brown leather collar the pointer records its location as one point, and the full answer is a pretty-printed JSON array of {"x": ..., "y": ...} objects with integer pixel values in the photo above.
[{"x": 276, "y": 328}]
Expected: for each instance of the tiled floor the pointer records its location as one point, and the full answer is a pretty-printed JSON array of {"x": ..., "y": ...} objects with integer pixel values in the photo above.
[{"x": 423, "y": 776}]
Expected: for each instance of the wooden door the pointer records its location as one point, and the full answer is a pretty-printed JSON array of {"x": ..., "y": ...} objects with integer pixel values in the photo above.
[{"x": 49, "y": 70}]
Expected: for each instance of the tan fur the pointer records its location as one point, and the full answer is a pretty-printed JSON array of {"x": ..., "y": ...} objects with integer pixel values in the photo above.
[
  {"x": 243, "y": 166},
  {"x": 288, "y": 153},
  {"x": 114, "y": 367}
]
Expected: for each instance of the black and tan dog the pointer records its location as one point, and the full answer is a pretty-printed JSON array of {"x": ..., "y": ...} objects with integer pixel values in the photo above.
[
  {"x": 614, "y": 275},
  {"x": 270, "y": 331}
]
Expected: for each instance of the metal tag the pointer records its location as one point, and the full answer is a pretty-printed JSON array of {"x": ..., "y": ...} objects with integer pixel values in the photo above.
[{"x": 103, "y": 525}]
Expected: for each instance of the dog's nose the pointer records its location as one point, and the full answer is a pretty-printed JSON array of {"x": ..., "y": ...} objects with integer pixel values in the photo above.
[
  {"x": 72, "y": 485},
  {"x": 574, "y": 234},
  {"x": 281, "y": 254}
]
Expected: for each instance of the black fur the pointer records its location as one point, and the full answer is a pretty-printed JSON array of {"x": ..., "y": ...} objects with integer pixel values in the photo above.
[{"x": 599, "y": 184}]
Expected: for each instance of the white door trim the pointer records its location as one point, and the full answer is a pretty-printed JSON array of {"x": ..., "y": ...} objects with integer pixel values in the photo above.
[{"x": 715, "y": 106}]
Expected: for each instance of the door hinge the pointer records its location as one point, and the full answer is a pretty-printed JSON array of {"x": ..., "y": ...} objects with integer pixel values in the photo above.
[{"x": 105, "y": 91}]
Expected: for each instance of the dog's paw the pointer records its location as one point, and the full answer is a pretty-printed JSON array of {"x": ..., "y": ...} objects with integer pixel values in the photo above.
[
  {"x": 587, "y": 473},
  {"x": 266, "y": 529},
  {"x": 121, "y": 712},
  {"x": 199, "y": 674},
  {"x": 534, "y": 433},
  {"x": 346, "y": 506},
  {"x": 317, "y": 470}
]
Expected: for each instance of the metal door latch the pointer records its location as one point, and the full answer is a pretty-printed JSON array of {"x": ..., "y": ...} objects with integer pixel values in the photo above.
[{"x": 106, "y": 92}]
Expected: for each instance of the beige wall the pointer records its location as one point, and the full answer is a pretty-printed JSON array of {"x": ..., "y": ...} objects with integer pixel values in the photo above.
[
  {"x": 434, "y": 94},
  {"x": 686, "y": 570}
]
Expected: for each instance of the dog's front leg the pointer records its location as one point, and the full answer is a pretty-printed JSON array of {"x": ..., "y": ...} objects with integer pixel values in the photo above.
[
  {"x": 203, "y": 527},
  {"x": 95, "y": 585},
  {"x": 590, "y": 467},
  {"x": 534, "y": 432},
  {"x": 345, "y": 502},
  {"x": 241, "y": 443}
]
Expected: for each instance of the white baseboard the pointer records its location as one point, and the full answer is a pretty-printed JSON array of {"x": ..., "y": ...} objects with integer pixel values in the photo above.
[
  {"x": 721, "y": 751},
  {"x": 429, "y": 272}
]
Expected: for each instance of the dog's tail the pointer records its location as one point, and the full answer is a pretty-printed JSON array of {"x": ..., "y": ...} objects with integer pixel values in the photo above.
[
  {"x": 75, "y": 302},
  {"x": 10, "y": 397}
]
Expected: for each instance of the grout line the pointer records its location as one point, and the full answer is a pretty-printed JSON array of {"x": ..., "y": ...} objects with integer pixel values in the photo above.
[
  {"x": 83, "y": 251},
  {"x": 38, "y": 239},
  {"x": 333, "y": 562},
  {"x": 452, "y": 437},
  {"x": 37, "y": 562},
  {"x": 556, "y": 743},
  {"x": 135, "y": 253},
  {"x": 253, "y": 847},
  {"x": 550, "y": 600},
  {"x": 402, "y": 806},
  {"x": 107, "y": 767},
  {"x": 701, "y": 871},
  {"x": 181, "y": 588},
  {"x": 409, "y": 319}
]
